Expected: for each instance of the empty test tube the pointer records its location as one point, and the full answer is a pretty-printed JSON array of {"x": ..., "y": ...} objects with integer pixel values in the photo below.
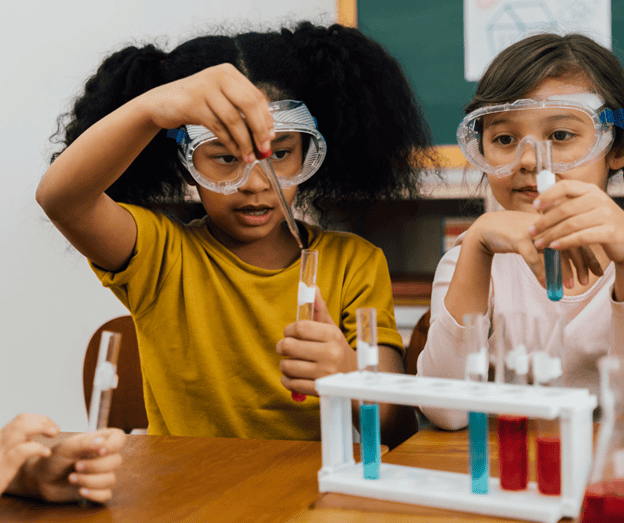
[
  {"x": 368, "y": 359},
  {"x": 552, "y": 258},
  {"x": 476, "y": 370},
  {"x": 305, "y": 295},
  {"x": 104, "y": 380}
]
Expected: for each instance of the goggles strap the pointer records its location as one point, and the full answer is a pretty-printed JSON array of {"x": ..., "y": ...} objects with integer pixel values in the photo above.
[
  {"x": 179, "y": 135},
  {"x": 614, "y": 117}
]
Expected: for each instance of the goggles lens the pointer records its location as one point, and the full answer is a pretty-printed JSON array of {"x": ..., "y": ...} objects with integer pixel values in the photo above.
[
  {"x": 297, "y": 151},
  {"x": 215, "y": 163},
  {"x": 489, "y": 137}
]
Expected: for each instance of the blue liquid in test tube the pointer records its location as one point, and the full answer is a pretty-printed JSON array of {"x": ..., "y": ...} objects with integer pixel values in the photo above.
[
  {"x": 371, "y": 440},
  {"x": 479, "y": 452},
  {"x": 368, "y": 359},
  {"x": 554, "y": 284},
  {"x": 476, "y": 370}
]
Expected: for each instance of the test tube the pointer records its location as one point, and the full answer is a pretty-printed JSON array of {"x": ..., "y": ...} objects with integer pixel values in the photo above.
[
  {"x": 305, "y": 296},
  {"x": 476, "y": 370},
  {"x": 104, "y": 380},
  {"x": 548, "y": 371},
  {"x": 552, "y": 258},
  {"x": 512, "y": 366},
  {"x": 368, "y": 359}
]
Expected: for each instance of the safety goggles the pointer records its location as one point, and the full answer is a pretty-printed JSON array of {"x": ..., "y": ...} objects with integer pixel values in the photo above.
[
  {"x": 578, "y": 125},
  {"x": 216, "y": 169}
]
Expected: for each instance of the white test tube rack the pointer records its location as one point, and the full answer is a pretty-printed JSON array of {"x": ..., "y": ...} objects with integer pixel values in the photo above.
[{"x": 449, "y": 490}]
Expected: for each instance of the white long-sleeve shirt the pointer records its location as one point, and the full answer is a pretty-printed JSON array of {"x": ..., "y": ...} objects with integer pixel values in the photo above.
[{"x": 514, "y": 290}]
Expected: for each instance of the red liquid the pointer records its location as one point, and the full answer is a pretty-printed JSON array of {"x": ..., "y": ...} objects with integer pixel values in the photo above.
[
  {"x": 549, "y": 466},
  {"x": 604, "y": 502},
  {"x": 513, "y": 452}
]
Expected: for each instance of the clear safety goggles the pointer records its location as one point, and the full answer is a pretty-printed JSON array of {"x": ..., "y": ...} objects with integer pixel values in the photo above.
[
  {"x": 579, "y": 126},
  {"x": 216, "y": 169}
]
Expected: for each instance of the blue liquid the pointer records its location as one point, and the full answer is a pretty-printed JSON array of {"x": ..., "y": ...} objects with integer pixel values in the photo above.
[
  {"x": 371, "y": 440},
  {"x": 479, "y": 452},
  {"x": 554, "y": 285}
]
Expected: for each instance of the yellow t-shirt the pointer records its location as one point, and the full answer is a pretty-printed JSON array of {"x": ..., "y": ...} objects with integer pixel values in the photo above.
[{"x": 208, "y": 323}]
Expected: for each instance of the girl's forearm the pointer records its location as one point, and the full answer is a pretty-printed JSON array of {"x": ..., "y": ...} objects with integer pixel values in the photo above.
[
  {"x": 468, "y": 292},
  {"x": 81, "y": 174}
]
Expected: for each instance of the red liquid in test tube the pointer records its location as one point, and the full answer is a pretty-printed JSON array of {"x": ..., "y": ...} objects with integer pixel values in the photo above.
[
  {"x": 604, "y": 502},
  {"x": 549, "y": 466},
  {"x": 513, "y": 452}
]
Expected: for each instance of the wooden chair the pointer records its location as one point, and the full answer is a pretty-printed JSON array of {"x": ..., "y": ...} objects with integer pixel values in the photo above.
[
  {"x": 127, "y": 410},
  {"x": 417, "y": 343}
]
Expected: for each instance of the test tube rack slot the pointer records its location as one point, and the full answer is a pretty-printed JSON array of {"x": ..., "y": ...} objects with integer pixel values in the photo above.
[{"x": 340, "y": 473}]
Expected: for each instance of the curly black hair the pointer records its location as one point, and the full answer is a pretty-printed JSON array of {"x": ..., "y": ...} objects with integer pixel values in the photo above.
[{"x": 378, "y": 142}]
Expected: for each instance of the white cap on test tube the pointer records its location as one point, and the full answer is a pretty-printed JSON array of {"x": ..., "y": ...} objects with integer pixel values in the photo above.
[{"x": 545, "y": 177}]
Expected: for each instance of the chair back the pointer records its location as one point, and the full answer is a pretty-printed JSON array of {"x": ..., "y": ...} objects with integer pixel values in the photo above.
[
  {"x": 417, "y": 343},
  {"x": 127, "y": 410}
]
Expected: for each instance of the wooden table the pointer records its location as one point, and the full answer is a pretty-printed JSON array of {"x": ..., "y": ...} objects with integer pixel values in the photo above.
[
  {"x": 186, "y": 479},
  {"x": 195, "y": 480}
]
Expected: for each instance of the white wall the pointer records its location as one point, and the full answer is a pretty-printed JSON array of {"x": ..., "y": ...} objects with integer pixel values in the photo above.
[{"x": 51, "y": 303}]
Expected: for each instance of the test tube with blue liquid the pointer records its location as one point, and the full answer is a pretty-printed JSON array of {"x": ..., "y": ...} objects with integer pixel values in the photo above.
[
  {"x": 368, "y": 360},
  {"x": 476, "y": 370},
  {"x": 545, "y": 180}
]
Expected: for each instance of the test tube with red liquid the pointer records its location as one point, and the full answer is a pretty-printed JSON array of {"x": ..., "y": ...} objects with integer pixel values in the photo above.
[
  {"x": 512, "y": 366},
  {"x": 548, "y": 371},
  {"x": 305, "y": 295},
  {"x": 604, "y": 497}
]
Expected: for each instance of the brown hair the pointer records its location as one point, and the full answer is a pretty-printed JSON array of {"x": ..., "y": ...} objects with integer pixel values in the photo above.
[{"x": 522, "y": 66}]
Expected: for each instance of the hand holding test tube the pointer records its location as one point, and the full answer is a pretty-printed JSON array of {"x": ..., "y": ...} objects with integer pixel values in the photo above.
[{"x": 305, "y": 295}]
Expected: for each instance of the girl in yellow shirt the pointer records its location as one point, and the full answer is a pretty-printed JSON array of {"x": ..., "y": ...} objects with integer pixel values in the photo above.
[{"x": 214, "y": 301}]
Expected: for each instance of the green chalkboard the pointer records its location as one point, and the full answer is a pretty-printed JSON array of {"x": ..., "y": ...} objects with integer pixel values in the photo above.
[{"x": 427, "y": 37}]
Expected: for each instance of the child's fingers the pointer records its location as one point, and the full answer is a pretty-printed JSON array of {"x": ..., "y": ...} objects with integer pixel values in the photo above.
[
  {"x": 24, "y": 426},
  {"x": 91, "y": 445},
  {"x": 561, "y": 190},
  {"x": 93, "y": 481},
  {"x": 96, "y": 495},
  {"x": 17, "y": 455},
  {"x": 533, "y": 260},
  {"x": 299, "y": 368},
  {"x": 582, "y": 271},
  {"x": 303, "y": 349},
  {"x": 321, "y": 313},
  {"x": 299, "y": 386},
  {"x": 253, "y": 104},
  {"x": 591, "y": 261},
  {"x": 100, "y": 464},
  {"x": 310, "y": 330}
]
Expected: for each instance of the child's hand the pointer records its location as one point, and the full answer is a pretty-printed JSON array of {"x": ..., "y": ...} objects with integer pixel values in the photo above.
[
  {"x": 16, "y": 446},
  {"x": 314, "y": 349},
  {"x": 508, "y": 232},
  {"x": 81, "y": 466},
  {"x": 576, "y": 214},
  {"x": 215, "y": 98}
]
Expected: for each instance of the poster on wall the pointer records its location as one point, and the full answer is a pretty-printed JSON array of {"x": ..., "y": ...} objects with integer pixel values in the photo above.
[{"x": 492, "y": 25}]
